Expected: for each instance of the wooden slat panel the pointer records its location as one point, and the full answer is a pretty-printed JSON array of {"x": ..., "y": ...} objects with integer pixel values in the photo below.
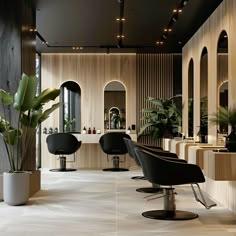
[{"x": 154, "y": 79}]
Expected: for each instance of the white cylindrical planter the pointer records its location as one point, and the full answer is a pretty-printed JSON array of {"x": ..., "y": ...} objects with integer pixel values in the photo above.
[
  {"x": 1, "y": 186},
  {"x": 15, "y": 188}
]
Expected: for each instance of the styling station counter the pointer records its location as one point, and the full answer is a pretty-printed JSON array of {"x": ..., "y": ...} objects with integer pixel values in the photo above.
[
  {"x": 89, "y": 155},
  {"x": 220, "y": 175}
]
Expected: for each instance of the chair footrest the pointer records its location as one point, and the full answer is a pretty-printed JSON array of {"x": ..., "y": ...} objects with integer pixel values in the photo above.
[
  {"x": 200, "y": 197},
  {"x": 169, "y": 215}
]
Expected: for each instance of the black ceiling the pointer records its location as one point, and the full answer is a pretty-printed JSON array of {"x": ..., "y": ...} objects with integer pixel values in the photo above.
[{"x": 92, "y": 24}]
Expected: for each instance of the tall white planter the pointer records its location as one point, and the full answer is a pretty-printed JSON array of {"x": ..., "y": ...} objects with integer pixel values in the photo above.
[
  {"x": 1, "y": 186},
  {"x": 15, "y": 188}
]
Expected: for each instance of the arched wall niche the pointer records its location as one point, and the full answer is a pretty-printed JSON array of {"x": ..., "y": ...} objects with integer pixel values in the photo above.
[
  {"x": 203, "y": 129},
  {"x": 222, "y": 77},
  {"x": 114, "y": 105},
  {"x": 70, "y": 111},
  {"x": 190, "y": 97}
]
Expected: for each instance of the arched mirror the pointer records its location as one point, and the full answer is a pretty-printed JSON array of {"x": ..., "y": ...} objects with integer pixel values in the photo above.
[
  {"x": 203, "y": 129},
  {"x": 190, "y": 98},
  {"x": 114, "y": 106},
  {"x": 222, "y": 77},
  {"x": 70, "y": 111}
]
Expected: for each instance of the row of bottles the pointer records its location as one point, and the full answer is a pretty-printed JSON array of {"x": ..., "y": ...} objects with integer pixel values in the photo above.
[
  {"x": 50, "y": 130},
  {"x": 90, "y": 131}
]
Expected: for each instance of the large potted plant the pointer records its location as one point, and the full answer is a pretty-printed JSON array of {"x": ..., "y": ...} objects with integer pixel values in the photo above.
[
  {"x": 162, "y": 118},
  {"x": 224, "y": 117},
  {"x": 18, "y": 135}
]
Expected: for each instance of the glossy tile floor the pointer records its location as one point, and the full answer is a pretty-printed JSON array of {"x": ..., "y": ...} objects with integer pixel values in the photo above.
[{"x": 98, "y": 203}]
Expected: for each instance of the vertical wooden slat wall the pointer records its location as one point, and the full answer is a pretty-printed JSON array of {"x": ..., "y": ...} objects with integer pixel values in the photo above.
[{"x": 154, "y": 78}]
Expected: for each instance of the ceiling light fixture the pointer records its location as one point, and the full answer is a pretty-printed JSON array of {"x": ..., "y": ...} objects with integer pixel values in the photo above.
[
  {"x": 77, "y": 48},
  {"x": 121, "y": 19},
  {"x": 120, "y": 36}
]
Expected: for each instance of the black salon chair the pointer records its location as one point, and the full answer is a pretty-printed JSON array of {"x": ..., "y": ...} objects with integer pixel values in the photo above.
[
  {"x": 113, "y": 144},
  {"x": 132, "y": 154},
  {"x": 169, "y": 172},
  {"x": 62, "y": 144},
  {"x": 131, "y": 145}
]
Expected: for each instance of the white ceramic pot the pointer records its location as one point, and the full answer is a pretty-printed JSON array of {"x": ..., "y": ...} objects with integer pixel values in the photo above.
[
  {"x": 1, "y": 186},
  {"x": 16, "y": 188}
]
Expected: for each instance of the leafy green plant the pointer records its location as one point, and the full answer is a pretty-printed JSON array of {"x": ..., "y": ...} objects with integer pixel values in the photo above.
[
  {"x": 203, "y": 128},
  {"x": 224, "y": 116},
  {"x": 68, "y": 122},
  {"x": 17, "y": 136},
  {"x": 162, "y": 118}
]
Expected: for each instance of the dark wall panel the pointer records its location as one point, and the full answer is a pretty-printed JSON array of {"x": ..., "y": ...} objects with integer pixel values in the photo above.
[{"x": 17, "y": 50}]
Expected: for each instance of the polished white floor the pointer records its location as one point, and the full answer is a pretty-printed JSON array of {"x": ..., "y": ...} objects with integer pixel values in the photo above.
[{"x": 98, "y": 203}]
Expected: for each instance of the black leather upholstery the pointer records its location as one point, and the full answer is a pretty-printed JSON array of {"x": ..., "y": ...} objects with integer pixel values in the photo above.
[
  {"x": 113, "y": 144},
  {"x": 62, "y": 144},
  {"x": 169, "y": 172},
  {"x": 163, "y": 171}
]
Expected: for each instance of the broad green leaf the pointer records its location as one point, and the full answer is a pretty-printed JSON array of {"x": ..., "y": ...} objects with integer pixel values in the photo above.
[
  {"x": 11, "y": 136},
  {"x": 45, "y": 96},
  {"x": 23, "y": 99},
  {"x": 46, "y": 113},
  {"x": 6, "y": 97}
]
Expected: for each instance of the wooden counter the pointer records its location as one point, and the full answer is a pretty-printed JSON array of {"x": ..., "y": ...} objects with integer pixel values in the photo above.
[
  {"x": 89, "y": 156},
  {"x": 220, "y": 165}
]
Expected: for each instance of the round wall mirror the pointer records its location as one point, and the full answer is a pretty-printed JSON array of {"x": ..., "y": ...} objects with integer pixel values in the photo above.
[{"x": 114, "y": 106}]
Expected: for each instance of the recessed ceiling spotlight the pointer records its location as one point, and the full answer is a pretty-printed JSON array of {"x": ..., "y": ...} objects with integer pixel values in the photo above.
[
  {"x": 175, "y": 10},
  {"x": 77, "y": 48},
  {"x": 120, "y": 36},
  {"x": 120, "y": 19},
  {"x": 33, "y": 30},
  {"x": 180, "y": 10}
]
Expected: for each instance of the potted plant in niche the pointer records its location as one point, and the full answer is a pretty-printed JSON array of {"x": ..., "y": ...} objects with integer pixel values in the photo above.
[
  {"x": 162, "y": 119},
  {"x": 18, "y": 136},
  {"x": 203, "y": 128},
  {"x": 226, "y": 117}
]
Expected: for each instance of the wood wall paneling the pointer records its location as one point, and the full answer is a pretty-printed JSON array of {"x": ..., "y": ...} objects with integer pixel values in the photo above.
[
  {"x": 154, "y": 79},
  {"x": 223, "y": 18}
]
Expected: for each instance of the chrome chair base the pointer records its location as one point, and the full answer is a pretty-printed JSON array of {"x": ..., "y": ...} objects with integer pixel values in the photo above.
[
  {"x": 115, "y": 169},
  {"x": 63, "y": 170}
]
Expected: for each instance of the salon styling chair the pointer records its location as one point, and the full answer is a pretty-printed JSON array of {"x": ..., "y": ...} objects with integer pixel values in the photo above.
[
  {"x": 171, "y": 172},
  {"x": 113, "y": 145},
  {"x": 61, "y": 144}
]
